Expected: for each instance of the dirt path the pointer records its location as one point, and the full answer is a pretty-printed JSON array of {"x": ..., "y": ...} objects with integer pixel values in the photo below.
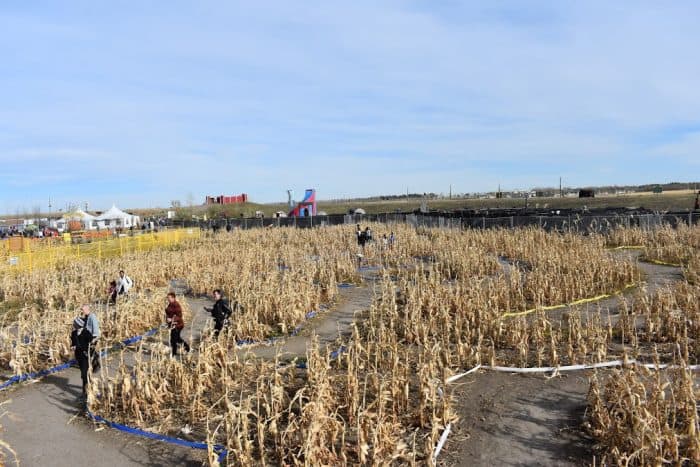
[
  {"x": 45, "y": 426},
  {"x": 516, "y": 420},
  {"x": 44, "y": 421},
  {"x": 510, "y": 420},
  {"x": 328, "y": 326}
]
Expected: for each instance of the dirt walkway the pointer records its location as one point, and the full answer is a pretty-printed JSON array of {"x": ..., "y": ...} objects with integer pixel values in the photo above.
[
  {"x": 516, "y": 420},
  {"x": 44, "y": 421},
  {"x": 328, "y": 326},
  {"x": 510, "y": 420}
]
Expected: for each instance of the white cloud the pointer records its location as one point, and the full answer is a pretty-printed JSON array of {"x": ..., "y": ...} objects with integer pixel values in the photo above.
[{"x": 361, "y": 97}]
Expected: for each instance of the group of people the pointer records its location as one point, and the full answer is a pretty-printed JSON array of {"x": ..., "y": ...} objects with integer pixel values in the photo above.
[
  {"x": 86, "y": 327},
  {"x": 365, "y": 236},
  {"x": 120, "y": 286}
]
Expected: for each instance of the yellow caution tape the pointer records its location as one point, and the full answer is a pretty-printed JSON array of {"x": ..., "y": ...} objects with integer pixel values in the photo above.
[
  {"x": 640, "y": 247},
  {"x": 662, "y": 263},
  {"x": 574, "y": 303}
]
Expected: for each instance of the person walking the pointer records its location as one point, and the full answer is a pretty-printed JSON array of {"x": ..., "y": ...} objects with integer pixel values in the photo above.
[
  {"x": 124, "y": 283},
  {"x": 368, "y": 235},
  {"x": 221, "y": 311},
  {"x": 173, "y": 317},
  {"x": 112, "y": 291},
  {"x": 86, "y": 331}
]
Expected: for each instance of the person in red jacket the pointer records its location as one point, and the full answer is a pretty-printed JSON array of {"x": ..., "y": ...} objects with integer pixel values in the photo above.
[{"x": 173, "y": 316}]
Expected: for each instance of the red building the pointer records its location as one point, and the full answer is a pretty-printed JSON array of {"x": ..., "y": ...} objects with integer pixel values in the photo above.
[{"x": 234, "y": 199}]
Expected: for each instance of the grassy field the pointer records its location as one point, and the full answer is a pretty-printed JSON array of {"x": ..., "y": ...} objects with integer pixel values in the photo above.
[
  {"x": 668, "y": 201},
  {"x": 681, "y": 200}
]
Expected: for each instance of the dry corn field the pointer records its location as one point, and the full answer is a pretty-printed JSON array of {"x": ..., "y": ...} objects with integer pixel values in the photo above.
[{"x": 444, "y": 301}]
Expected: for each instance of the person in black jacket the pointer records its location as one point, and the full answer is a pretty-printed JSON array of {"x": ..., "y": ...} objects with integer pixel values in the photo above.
[
  {"x": 85, "y": 332},
  {"x": 220, "y": 312}
]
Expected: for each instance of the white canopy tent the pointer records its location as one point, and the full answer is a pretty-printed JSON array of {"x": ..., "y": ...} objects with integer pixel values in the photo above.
[
  {"x": 88, "y": 221},
  {"x": 115, "y": 218}
]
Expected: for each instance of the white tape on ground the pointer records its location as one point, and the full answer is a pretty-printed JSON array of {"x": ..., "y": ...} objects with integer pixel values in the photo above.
[
  {"x": 551, "y": 369},
  {"x": 441, "y": 443},
  {"x": 454, "y": 378}
]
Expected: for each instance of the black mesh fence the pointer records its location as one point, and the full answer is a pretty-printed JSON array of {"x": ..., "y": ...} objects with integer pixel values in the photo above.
[{"x": 581, "y": 223}]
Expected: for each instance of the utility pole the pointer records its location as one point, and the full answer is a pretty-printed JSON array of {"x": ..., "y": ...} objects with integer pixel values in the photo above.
[
  {"x": 561, "y": 193},
  {"x": 49, "y": 208},
  {"x": 450, "y": 191}
]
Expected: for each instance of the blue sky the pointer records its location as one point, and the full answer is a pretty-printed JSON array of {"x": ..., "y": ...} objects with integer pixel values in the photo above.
[{"x": 140, "y": 103}]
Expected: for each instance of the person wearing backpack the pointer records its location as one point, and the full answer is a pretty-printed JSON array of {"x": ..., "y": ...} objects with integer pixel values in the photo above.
[
  {"x": 124, "y": 283},
  {"x": 86, "y": 331},
  {"x": 221, "y": 311},
  {"x": 173, "y": 317}
]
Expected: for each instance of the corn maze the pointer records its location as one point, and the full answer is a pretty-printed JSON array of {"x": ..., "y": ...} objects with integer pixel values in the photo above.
[{"x": 444, "y": 302}]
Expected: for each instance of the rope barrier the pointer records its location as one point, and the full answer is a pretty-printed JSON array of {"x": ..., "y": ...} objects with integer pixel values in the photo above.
[
  {"x": 574, "y": 303},
  {"x": 559, "y": 369},
  {"x": 218, "y": 449}
]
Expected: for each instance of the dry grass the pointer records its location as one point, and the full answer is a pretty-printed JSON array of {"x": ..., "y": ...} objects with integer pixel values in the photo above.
[
  {"x": 440, "y": 307},
  {"x": 666, "y": 245},
  {"x": 270, "y": 273},
  {"x": 640, "y": 417}
]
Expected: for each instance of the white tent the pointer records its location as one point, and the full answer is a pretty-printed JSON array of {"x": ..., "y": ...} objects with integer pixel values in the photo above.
[
  {"x": 88, "y": 220},
  {"x": 115, "y": 218}
]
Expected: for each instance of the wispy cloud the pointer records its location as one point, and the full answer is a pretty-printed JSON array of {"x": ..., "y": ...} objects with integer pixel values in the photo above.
[{"x": 137, "y": 104}]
